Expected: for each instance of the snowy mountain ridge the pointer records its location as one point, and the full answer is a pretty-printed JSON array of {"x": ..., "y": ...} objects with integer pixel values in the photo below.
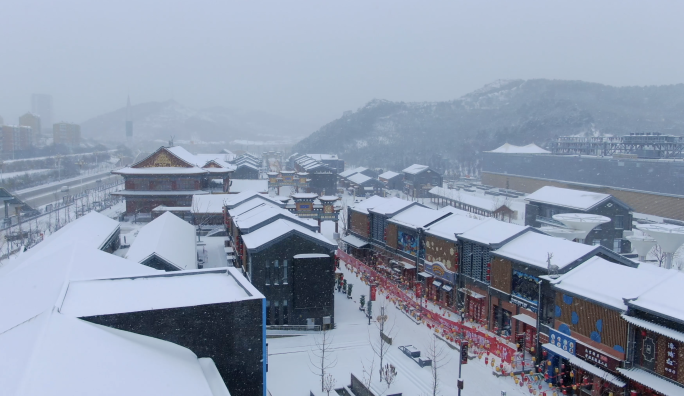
[{"x": 448, "y": 134}]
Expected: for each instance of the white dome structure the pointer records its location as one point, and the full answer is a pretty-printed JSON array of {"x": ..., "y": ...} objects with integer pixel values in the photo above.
[
  {"x": 581, "y": 222},
  {"x": 643, "y": 244},
  {"x": 565, "y": 233},
  {"x": 669, "y": 236}
]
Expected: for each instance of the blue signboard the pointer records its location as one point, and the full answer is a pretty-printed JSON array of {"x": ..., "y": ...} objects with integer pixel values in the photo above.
[{"x": 562, "y": 341}]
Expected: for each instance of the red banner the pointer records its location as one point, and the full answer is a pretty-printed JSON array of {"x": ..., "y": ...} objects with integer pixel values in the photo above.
[
  {"x": 373, "y": 290},
  {"x": 480, "y": 340}
]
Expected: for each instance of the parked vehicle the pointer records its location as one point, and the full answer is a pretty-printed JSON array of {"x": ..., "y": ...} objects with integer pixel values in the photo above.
[{"x": 64, "y": 189}]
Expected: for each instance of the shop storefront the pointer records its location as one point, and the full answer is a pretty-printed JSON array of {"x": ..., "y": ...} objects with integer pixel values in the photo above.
[
  {"x": 526, "y": 331},
  {"x": 575, "y": 376},
  {"x": 475, "y": 305},
  {"x": 443, "y": 283}
]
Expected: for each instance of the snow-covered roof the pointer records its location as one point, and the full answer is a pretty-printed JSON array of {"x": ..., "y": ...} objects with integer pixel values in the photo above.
[
  {"x": 172, "y": 193},
  {"x": 493, "y": 232},
  {"x": 247, "y": 165},
  {"x": 512, "y": 149},
  {"x": 321, "y": 157},
  {"x": 169, "y": 238},
  {"x": 574, "y": 199},
  {"x": 664, "y": 299},
  {"x": 415, "y": 169},
  {"x": 418, "y": 216},
  {"x": 485, "y": 202},
  {"x": 389, "y": 175},
  {"x": 359, "y": 178},
  {"x": 35, "y": 285},
  {"x": 660, "y": 329},
  {"x": 350, "y": 172},
  {"x": 91, "y": 231},
  {"x": 185, "y": 155},
  {"x": 452, "y": 226},
  {"x": 391, "y": 206},
  {"x": 55, "y": 354},
  {"x": 250, "y": 220},
  {"x": 240, "y": 185},
  {"x": 370, "y": 202},
  {"x": 533, "y": 248},
  {"x": 304, "y": 196},
  {"x": 607, "y": 283},
  {"x": 652, "y": 381},
  {"x": 160, "y": 171},
  {"x": 280, "y": 229},
  {"x": 150, "y": 292},
  {"x": 233, "y": 200}
]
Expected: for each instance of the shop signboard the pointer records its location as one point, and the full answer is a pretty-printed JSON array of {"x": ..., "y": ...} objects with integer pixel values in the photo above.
[
  {"x": 563, "y": 341},
  {"x": 598, "y": 358},
  {"x": 672, "y": 359},
  {"x": 373, "y": 291}
]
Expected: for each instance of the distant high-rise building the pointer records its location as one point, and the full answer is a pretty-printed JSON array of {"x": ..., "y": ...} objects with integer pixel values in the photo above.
[
  {"x": 41, "y": 105},
  {"x": 66, "y": 134},
  {"x": 31, "y": 120},
  {"x": 15, "y": 139},
  {"x": 129, "y": 121}
]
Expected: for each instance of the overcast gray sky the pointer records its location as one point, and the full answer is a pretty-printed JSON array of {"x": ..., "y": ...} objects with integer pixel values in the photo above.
[{"x": 312, "y": 60}]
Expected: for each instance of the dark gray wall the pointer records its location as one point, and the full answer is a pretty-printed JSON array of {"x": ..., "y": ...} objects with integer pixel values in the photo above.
[
  {"x": 286, "y": 249},
  {"x": 229, "y": 333}
]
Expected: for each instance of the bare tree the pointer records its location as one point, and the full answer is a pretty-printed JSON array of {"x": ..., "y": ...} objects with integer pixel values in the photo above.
[
  {"x": 438, "y": 355},
  {"x": 379, "y": 345},
  {"x": 328, "y": 383},
  {"x": 200, "y": 216},
  {"x": 368, "y": 373},
  {"x": 659, "y": 255},
  {"x": 389, "y": 374},
  {"x": 320, "y": 356}
]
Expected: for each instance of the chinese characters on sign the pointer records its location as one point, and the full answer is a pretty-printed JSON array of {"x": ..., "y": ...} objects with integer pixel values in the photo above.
[
  {"x": 671, "y": 362},
  {"x": 596, "y": 357}
]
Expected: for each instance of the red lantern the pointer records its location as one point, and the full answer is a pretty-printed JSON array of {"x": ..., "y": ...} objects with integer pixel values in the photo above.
[
  {"x": 643, "y": 333},
  {"x": 486, "y": 360}
]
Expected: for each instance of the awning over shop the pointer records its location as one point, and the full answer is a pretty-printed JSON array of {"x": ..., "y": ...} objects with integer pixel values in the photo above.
[
  {"x": 436, "y": 283},
  {"x": 652, "y": 381},
  {"x": 425, "y": 275},
  {"x": 447, "y": 288},
  {"x": 408, "y": 266},
  {"x": 471, "y": 293},
  {"x": 528, "y": 320},
  {"x": 586, "y": 366},
  {"x": 354, "y": 241},
  {"x": 656, "y": 328}
]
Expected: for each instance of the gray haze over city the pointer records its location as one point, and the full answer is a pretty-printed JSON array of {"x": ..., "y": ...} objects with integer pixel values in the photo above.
[{"x": 312, "y": 60}]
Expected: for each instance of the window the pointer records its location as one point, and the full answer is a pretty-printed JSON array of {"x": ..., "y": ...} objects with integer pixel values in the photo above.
[
  {"x": 617, "y": 245},
  {"x": 186, "y": 184},
  {"x": 268, "y": 274},
  {"x": 596, "y": 242},
  {"x": 285, "y": 319},
  {"x": 276, "y": 312},
  {"x": 619, "y": 222},
  {"x": 284, "y": 272},
  {"x": 276, "y": 273},
  {"x": 268, "y": 312}
]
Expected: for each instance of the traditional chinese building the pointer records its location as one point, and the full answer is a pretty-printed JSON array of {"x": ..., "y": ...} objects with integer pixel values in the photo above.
[{"x": 171, "y": 176}]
